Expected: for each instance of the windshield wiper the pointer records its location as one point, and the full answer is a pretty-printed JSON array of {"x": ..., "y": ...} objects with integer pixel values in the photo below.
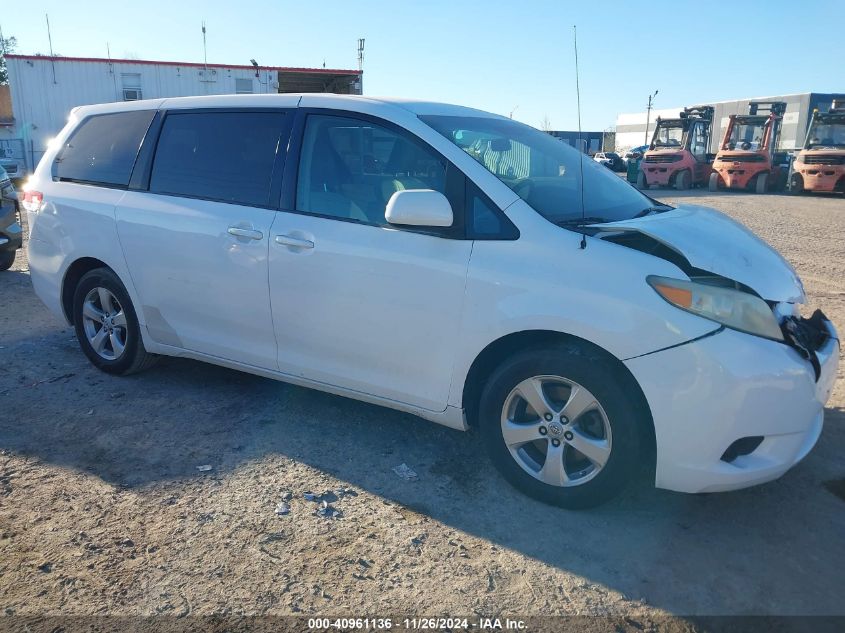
[
  {"x": 582, "y": 221},
  {"x": 663, "y": 208}
]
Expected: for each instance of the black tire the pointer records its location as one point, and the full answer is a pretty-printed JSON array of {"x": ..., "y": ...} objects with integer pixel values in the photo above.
[
  {"x": 713, "y": 182},
  {"x": 599, "y": 375},
  {"x": 7, "y": 258},
  {"x": 761, "y": 185},
  {"x": 642, "y": 183},
  {"x": 683, "y": 180},
  {"x": 797, "y": 184},
  {"x": 134, "y": 357}
]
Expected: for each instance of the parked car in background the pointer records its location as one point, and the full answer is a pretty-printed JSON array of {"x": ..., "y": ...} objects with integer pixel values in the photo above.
[
  {"x": 635, "y": 153},
  {"x": 10, "y": 228},
  {"x": 439, "y": 260},
  {"x": 612, "y": 160},
  {"x": 12, "y": 168}
]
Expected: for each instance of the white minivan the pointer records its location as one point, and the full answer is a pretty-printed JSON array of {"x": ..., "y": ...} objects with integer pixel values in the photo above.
[{"x": 439, "y": 260}]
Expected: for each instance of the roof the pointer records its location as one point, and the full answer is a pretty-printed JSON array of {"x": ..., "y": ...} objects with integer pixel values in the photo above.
[
  {"x": 148, "y": 62},
  {"x": 356, "y": 103}
]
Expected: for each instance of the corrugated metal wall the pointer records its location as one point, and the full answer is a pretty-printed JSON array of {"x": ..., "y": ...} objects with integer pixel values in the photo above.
[{"x": 41, "y": 104}]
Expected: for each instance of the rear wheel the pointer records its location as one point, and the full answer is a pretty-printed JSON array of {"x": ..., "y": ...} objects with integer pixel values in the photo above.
[
  {"x": 107, "y": 326},
  {"x": 762, "y": 183},
  {"x": 642, "y": 183},
  {"x": 7, "y": 258},
  {"x": 560, "y": 427},
  {"x": 796, "y": 184},
  {"x": 682, "y": 180}
]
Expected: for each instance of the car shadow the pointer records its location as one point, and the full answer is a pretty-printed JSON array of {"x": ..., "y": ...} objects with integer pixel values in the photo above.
[{"x": 770, "y": 549}]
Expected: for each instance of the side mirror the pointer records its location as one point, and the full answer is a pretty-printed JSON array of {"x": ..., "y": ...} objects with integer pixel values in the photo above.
[{"x": 419, "y": 207}]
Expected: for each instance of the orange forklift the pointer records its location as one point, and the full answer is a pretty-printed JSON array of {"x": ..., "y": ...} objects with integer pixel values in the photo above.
[
  {"x": 677, "y": 156},
  {"x": 748, "y": 157},
  {"x": 820, "y": 165}
]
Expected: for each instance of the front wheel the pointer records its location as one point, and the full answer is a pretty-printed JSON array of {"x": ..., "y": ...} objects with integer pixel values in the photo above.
[
  {"x": 796, "y": 185},
  {"x": 560, "y": 427},
  {"x": 682, "y": 180},
  {"x": 762, "y": 184},
  {"x": 642, "y": 183},
  {"x": 107, "y": 326},
  {"x": 713, "y": 183}
]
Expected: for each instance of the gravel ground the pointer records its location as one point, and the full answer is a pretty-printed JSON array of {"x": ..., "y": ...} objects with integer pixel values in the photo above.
[{"x": 103, "y": 509}]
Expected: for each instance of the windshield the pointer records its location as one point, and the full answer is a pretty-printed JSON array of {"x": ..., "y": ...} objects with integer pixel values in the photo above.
[
  {"x": 668, "y": 136},
  {"x": 747, "y": 136},
  {"x": 542, "y": 170},
  {"x": 826, "y": 135}
]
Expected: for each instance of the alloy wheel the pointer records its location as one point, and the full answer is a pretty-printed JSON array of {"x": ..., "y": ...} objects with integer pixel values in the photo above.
[
  {"x": 556, "y": 430},
  {"x": 104, "y": 323}
]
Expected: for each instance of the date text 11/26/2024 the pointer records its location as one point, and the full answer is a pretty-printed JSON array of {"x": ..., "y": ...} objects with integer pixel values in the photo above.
[{"x": 423, "y": 624}]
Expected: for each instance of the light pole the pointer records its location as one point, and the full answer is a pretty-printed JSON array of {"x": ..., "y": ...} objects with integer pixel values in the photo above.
[{"x": 648, "y": 115}]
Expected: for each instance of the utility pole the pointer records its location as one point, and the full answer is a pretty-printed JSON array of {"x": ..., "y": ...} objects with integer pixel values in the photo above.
[
  {"x": 204, "y": 52},
  {"x": 648, "y": 115}
]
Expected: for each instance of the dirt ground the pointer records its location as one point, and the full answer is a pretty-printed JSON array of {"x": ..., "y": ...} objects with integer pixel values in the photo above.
[{"x": 103, "y": 509}]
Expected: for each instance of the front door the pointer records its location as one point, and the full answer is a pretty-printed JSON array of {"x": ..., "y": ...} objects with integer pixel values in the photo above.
[
  {"x": 197, "y": 243},
  {"x": 357, "y": 303}
]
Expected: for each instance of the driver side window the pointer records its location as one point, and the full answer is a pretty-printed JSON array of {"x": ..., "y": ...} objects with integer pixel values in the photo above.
[{"x": 349, "y": 168}]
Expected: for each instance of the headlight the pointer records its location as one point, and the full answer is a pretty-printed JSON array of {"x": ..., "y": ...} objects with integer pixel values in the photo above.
[{"x": 732, "y": 308}]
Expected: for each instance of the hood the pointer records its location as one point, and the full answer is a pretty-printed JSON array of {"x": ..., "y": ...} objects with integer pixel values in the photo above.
[{"x": 713, "y": 242}]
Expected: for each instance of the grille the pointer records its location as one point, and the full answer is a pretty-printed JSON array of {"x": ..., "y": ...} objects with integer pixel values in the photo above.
[
  {"x": 663, "y": 158},
  {"x": 829, "y": 159},
  {"x": 743, "y": 158}
]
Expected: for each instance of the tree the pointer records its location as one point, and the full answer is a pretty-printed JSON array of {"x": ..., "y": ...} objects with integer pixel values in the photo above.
[
  {"x": 546, "y": 124},
  {"x": 7, "y": 45}
]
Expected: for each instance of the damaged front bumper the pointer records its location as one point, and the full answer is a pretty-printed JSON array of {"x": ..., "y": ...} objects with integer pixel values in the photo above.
[{"x": 733, "y": 410}]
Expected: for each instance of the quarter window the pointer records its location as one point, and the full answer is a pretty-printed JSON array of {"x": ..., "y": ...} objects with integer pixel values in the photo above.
[
  {"x": 349, "y": 168},
  {"x": 226, "y": 156},
  {"x": 103, "y": 148}
]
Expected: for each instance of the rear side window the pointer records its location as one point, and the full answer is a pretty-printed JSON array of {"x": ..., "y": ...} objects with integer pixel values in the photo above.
[
  {"x": 225, "y": 156},
  {"x": 103, "y": 148}
]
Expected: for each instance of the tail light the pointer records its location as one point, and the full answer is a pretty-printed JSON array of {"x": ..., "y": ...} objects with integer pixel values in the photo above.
[{"x": 32, "y": 201}]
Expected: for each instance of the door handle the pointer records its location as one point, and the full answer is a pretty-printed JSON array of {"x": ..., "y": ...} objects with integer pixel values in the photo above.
[
  {"x": 296, "y": 242},
  {"x": 251, "y": 234}
]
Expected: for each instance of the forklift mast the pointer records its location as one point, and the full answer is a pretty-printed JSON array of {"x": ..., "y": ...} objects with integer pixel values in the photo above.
[
  {"x": 773, "y": 107},
  {"x": 701, "y": 112}
]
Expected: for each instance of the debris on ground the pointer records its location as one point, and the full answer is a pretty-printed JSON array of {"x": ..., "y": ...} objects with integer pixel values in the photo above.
[
  {"x": 309, "y": 496},
  {"x": 204, "y": 468},
  {"x": 405, "y": 472},
  {"x": 328, "y": 511},
  {"x": 282, "y": 508}
]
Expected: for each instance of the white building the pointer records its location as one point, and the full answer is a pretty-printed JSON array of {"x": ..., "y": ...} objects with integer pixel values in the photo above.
[{"x": 44, "y": 89}]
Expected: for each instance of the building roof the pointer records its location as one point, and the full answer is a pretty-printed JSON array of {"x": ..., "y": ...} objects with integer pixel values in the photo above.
[{"x": 148, "y": 62}]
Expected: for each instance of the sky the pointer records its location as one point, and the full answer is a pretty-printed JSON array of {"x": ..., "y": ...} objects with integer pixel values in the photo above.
[{"x": 504, "y": 57}]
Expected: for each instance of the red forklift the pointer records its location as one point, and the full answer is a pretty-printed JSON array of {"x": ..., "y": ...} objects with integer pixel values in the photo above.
[
  {"x": 678, "y": 154},
  {"x": 748, "y": 157},
  {"x": 820, "y": 165}
]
